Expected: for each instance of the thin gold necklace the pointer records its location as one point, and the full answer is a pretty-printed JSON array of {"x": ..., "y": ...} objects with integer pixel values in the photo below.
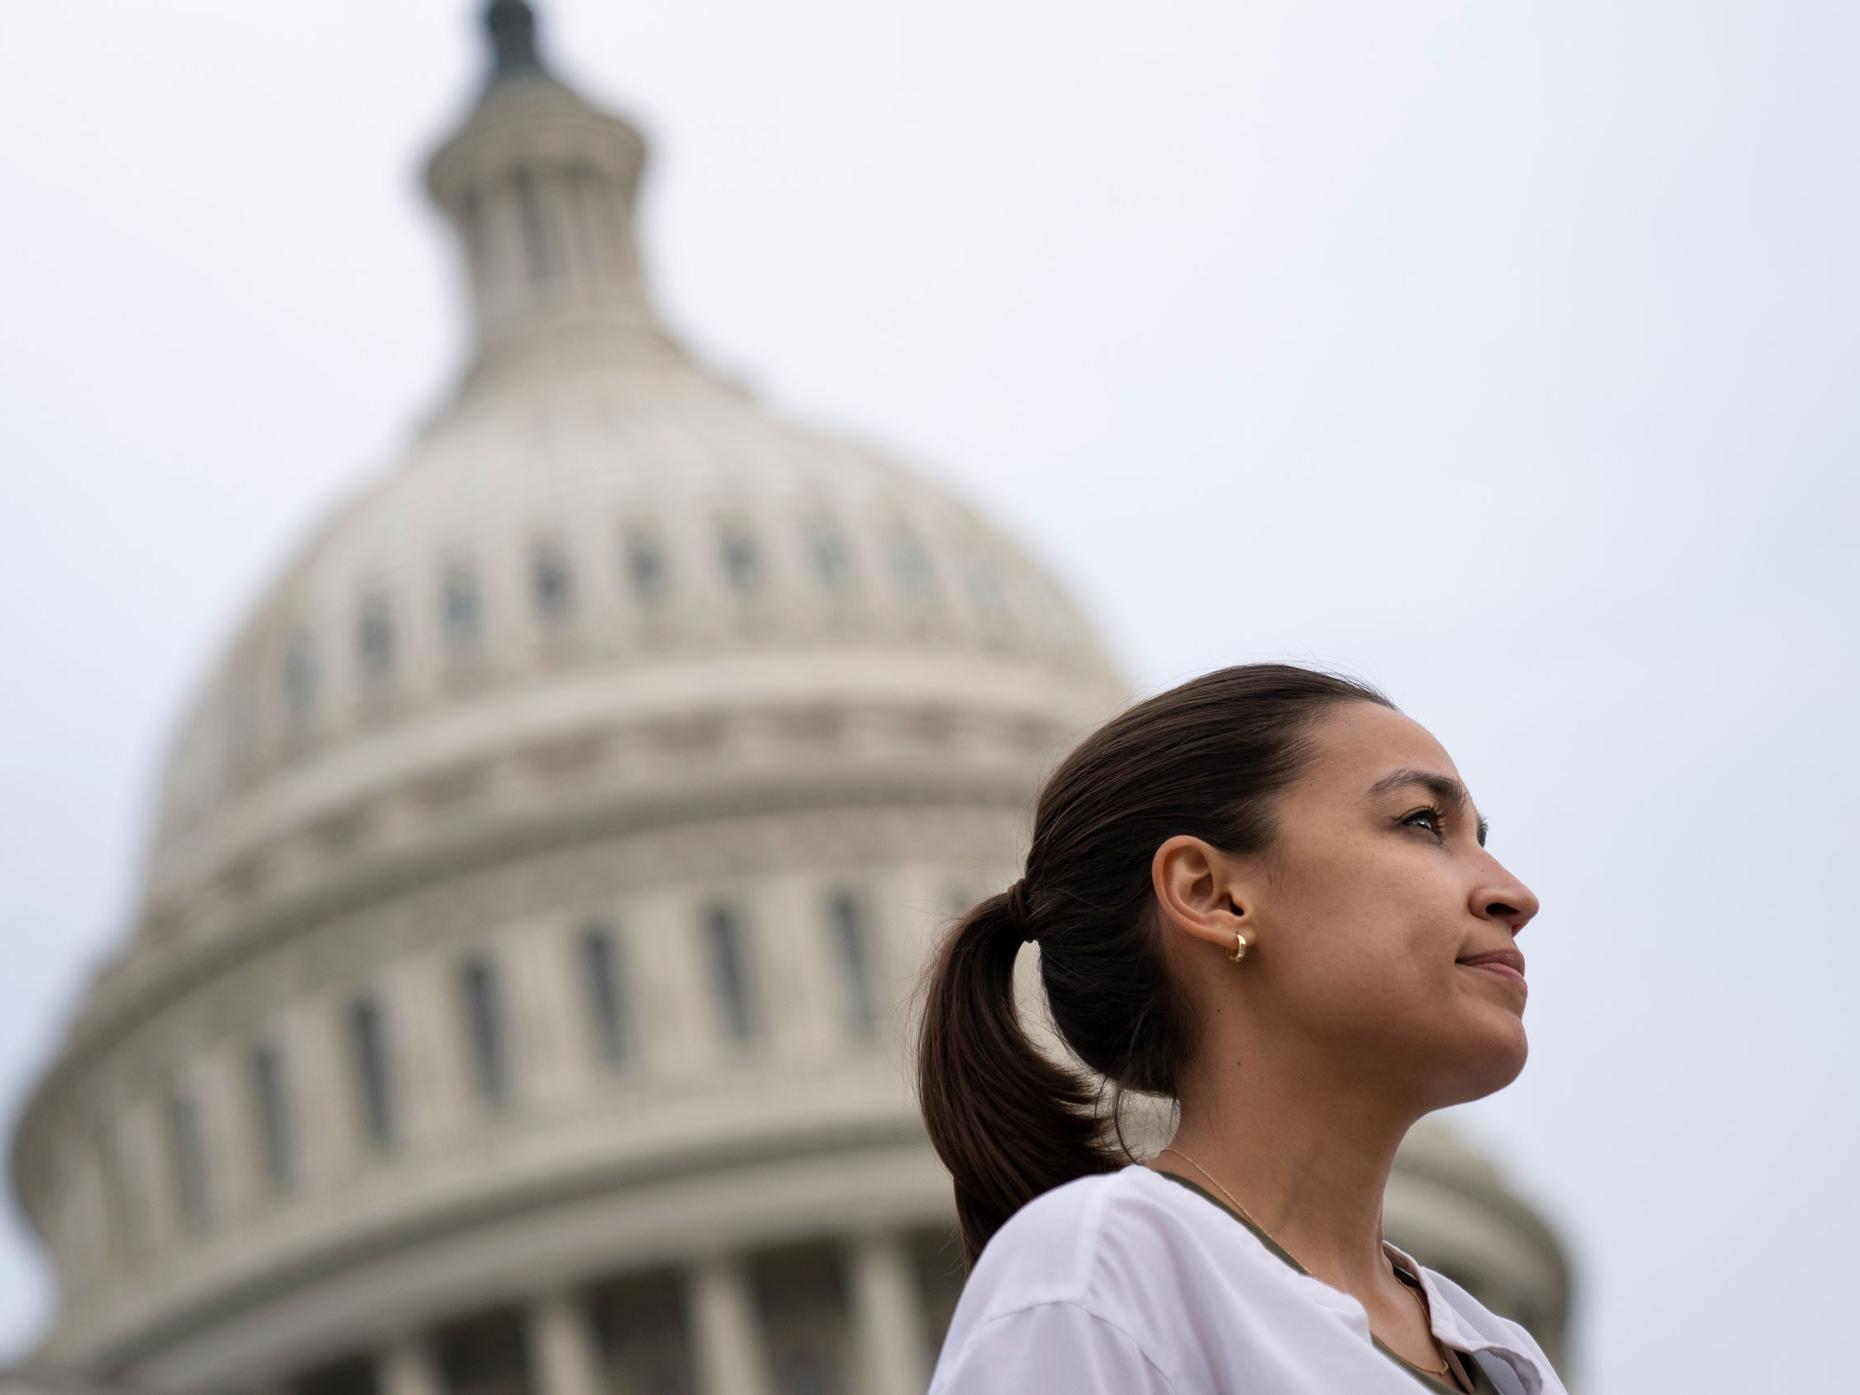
[{"x": 1445, "y": 1368}]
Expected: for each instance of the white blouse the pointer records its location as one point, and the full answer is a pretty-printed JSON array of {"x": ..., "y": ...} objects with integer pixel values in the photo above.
[{"x": 1136, "y": 1283}]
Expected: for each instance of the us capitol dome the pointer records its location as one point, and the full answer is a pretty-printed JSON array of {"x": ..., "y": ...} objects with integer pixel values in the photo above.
[{"x": 515, "y": 996}]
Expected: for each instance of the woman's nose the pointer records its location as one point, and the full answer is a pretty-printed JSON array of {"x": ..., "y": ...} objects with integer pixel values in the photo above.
[{"x": 1508, "y": 899}]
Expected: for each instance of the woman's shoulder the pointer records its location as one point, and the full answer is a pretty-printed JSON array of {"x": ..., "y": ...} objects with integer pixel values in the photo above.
[
  {"x": 1063, "y": 1284},
  {"x": 1088, "y": 1242}
]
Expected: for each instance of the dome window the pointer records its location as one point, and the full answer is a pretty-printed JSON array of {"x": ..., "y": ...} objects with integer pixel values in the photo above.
[
  {"x": 272, "y": 1109},
  {"x": 832, "y": 560},
  {"x": 603, "y": 970},
  {"x": 374, "y": 1071},
  {"x": 729, "y": 971},
  {"x": 187, "y": 1156},
  {"x": 460, "y": 609},
  {"x": 122, "y": 1214},
  {"x": 803, "y": 1370},
  {"x": 645, "y": 565},
  {"x": 346, "y": 1375},
  {"x": 852, "y": 952},
  {"x": 910, "y": 564},
  {"x": 484, "y": 1353},
  {"x": 242, "y": 725},
  {"x": 551, "y": 583},
  {"x": 985, "y": 589},
  {"x": 481, "y": 1002},
  {"x": 374, "y": 638},
  {"x": 801, "y": 1293},
  {"x": 299, "y": 677},
  {"x": 742, "y": 561}
]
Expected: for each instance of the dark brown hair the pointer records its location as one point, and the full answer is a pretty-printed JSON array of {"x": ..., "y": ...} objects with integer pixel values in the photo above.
[{"x": 1205, "y": 758}]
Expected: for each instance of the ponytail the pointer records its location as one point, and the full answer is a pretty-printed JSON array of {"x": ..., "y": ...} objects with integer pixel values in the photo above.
[
  {"x": 1006, "y": 1120},
  {"x": 1205, "y": 758}
]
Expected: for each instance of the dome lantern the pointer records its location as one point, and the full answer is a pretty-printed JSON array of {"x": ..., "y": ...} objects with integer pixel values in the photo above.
[{"x": 539, "y": 186}]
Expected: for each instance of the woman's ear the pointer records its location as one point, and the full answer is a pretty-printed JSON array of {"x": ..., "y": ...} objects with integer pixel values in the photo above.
[{"x": 1200, "y": 892}]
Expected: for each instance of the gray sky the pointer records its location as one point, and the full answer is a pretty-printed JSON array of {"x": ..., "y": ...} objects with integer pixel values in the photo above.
[{"x": 1500, "y": 354}]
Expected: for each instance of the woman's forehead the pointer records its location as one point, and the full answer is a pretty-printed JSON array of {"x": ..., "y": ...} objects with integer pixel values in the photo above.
[{"x": 1364, "y": 745}]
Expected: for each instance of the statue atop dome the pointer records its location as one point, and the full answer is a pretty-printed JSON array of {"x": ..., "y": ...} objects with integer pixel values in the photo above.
[{"x": 512, "y": 26}]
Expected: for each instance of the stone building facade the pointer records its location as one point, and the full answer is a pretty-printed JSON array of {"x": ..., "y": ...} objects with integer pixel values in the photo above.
[{"x": 518, "y": 995}]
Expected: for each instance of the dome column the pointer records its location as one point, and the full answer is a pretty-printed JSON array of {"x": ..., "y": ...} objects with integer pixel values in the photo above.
[
  {"x": 728, "y": 1346},
  {"x": 887, "y": 1316},
  {"x": 563, "y": 1352},
  {"x": 407, "y": 1365}
]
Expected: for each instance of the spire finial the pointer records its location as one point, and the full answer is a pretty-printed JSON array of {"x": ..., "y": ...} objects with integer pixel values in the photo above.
[{"x": 512, "y": 25}]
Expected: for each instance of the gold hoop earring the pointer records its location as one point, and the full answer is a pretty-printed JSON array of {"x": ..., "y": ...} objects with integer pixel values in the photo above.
[{"x": 1239, "y": 947}]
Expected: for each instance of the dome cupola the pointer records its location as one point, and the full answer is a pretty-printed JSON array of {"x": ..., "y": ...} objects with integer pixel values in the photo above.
[{"x": 539, "y": 187}]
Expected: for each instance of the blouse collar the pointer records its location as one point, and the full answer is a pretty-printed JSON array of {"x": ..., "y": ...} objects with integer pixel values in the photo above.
[{"x": 1469, "y": 1326}]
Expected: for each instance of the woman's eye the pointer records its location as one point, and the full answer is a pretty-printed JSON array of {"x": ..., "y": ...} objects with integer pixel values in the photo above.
[{"x": 1433, "y": 814}]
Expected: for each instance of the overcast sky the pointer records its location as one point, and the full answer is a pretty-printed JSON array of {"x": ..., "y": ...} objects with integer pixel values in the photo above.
[{"x": 1503, "y": 355}]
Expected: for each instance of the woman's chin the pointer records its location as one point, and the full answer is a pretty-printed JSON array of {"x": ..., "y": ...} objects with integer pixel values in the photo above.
[
  {"x": 1484, "y": 1062},
  {"x": 1502, "y": 1061}
]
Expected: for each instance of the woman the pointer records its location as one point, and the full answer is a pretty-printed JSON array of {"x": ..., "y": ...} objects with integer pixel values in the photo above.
[{"x": 1264, "y": 894}]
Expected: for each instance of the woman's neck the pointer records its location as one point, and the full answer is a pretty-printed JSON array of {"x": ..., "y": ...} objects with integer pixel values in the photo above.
[{"x": 1308, "y": 1163}]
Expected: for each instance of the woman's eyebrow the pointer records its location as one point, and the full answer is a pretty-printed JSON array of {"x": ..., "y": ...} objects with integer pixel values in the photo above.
[{"x": 1443, "y": 787}]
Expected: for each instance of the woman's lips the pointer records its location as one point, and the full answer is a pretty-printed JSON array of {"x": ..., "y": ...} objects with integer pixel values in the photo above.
[{"x": 1506, "y": 970}]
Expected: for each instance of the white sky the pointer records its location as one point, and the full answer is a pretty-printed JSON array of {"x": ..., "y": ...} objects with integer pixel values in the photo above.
[{"x": 1501, "y": 354}]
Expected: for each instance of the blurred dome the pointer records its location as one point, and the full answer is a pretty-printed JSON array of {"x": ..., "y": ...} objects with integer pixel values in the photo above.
[
  {"x": 535, "y": 884},
  {"x": 595, "y": 536},
  {"x": 599, "y": 562}
]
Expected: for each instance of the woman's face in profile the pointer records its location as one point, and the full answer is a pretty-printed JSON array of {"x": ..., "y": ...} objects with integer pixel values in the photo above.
[{"x": 1381, "y": 887}]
